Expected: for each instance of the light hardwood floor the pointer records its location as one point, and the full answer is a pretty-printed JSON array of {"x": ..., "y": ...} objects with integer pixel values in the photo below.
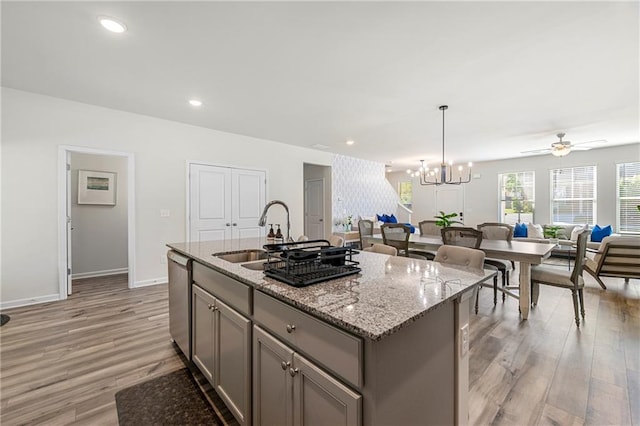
[{"x": 63, "y": 362}]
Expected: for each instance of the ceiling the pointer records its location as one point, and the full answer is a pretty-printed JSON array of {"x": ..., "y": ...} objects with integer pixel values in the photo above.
[{"x": 304, "y": 73}]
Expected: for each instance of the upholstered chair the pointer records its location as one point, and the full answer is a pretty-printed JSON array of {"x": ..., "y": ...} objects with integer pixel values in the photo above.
[
  {"x": 429, "y": 227},
  {"x": 571, "y": 280},
  {"x": 336, "y": 241},
  {"x": 472, "y": 238},
  {"x": 382, "y": 249},
  {"x": 499, "y": 231},
  {"x": 365, "y": 227},
  {"x": 397, "y": 235},
  {"x": 618, "y": 256}
]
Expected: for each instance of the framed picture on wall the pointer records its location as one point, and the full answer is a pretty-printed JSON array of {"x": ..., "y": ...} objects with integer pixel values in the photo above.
[{"x": 96, "y": 187}]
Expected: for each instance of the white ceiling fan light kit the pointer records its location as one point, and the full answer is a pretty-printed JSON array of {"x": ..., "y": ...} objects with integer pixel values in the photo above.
[{"x": 562, "y": 147}]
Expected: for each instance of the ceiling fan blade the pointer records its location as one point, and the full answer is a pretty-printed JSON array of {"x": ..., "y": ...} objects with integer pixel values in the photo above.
[
  {"x": 536, "y": 151},
  {"x": 580, "y": 148},
  {"x": 594, "y": 143}
]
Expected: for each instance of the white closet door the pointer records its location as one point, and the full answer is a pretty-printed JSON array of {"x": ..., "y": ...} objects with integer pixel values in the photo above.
[
  {"x": 209, "y": 202},
  {"x": 248, "y": 200}
]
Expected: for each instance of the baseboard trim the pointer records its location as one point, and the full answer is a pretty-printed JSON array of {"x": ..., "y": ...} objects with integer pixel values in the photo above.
[
  {"x": 104, "y": 273},
  {"x": 152, "y": 281},
  {"x": 29, "y": 301}
]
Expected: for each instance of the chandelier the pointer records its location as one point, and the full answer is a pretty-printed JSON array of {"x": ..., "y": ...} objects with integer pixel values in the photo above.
[{"x": 444, "y": 174}]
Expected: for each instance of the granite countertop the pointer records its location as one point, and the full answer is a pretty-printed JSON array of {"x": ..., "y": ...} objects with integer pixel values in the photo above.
[{"x": 390, "y": 293}]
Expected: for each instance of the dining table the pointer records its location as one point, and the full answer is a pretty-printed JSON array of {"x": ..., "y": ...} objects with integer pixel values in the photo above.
[{"x": 526, "y": 253}]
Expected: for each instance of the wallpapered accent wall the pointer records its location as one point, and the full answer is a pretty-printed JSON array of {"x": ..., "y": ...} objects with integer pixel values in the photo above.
[{"x": 360, "y": 188}]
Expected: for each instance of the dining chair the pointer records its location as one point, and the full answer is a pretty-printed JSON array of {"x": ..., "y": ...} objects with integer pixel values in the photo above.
[
  {"x": 397, "y": 235},
  {"x": 336, "y": 241},
  {"x": 471, "y": 238},
  {"x": 500, "y": 231},
  {"x": 382, "y": 249},
  {"x": 365, "y": 228},
  {"x": 429, "y": 227},
  {"x": 572, "y": 280},
  {"x": 463, "y": 256}
]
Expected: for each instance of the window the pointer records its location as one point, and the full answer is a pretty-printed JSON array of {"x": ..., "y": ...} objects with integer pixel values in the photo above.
[
  {"x": 405, "y": 189},
  {"x": 573, "y": 195},
  {"x": 628, "y": 197},
  {"x": 516, "y": 197}
]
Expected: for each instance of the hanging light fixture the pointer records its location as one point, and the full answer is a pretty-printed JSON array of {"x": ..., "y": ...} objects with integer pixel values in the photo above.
[{"x": 444, "y": 174}]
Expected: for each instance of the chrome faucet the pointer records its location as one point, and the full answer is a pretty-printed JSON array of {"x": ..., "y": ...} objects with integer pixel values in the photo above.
[{"x": 263, "y": 218}]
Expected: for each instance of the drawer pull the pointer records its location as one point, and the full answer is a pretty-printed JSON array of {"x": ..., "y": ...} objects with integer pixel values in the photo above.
[
  {"x": 290, "y": 328},
  {"x": 293, "y": 371},
  {"x": 210, "y": 306},
  {"x": 285, "y": 364}
]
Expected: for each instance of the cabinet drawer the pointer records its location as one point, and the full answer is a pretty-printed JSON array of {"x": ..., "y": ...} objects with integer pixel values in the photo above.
[
  {"x": 333, "y": 348},
  {"x": 230, "y": 291}
]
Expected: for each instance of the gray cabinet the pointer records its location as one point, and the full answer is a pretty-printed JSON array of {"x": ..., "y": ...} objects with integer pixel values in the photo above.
[
  {"x": 291, "y": 390},
  {"x": 222, "y": 351}
]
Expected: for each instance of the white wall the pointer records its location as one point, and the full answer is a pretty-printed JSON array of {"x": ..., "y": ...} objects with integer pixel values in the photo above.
[
  {"x": 99, "y": 235},
  {"x": 33, "y": 128},
  {"x": 481, "y": 194}
]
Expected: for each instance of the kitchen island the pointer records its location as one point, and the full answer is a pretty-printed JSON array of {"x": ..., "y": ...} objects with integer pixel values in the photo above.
[{"x": 386, "y": 346}]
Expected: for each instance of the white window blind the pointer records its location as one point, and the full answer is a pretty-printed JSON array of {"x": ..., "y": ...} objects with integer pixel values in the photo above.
[
  {"x": 573, "y": 195},
  {"x": 516, "y": 197},
  {"x": 628, "y": 197}
]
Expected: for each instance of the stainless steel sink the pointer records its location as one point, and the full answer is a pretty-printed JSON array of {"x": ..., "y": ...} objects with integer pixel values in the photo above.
[
  {"x": 254, "y": 266},
  {"x": 241, "y": 256}
]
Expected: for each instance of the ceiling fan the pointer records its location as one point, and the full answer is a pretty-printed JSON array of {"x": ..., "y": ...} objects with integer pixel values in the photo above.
[{"x": 562, "y": 148}]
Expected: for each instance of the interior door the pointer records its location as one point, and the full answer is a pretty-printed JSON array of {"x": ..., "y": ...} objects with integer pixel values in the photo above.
[
  {"x": 450, "y": 199},
  {"x": 248, "y": 200},
  {"x": 209, "y": 203},
  {"x": 314, "y": 208}
]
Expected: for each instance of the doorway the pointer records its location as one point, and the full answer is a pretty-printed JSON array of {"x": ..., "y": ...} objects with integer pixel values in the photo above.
[
  {"x": 450, "y": 199},
  {"x": 98, "y": 201},
  {"x": 317, "y": 201}
]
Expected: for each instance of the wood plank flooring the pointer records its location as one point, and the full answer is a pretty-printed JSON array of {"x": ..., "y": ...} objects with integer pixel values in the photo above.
[{"x": 63, "y": 362}]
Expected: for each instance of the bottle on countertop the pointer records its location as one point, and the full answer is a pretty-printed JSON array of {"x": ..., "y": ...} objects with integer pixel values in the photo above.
[
  {"x": 278, "y": 232},
  {"x": 271, "y": 233}
]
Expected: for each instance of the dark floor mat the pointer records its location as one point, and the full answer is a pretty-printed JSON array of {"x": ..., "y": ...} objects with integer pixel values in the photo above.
[
  {"x": 4, "y": 319},
  {"x": 173, "y": 399}
]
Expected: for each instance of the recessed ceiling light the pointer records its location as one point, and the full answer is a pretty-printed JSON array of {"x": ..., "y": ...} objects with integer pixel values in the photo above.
[
  {"x": 195, "y": 102},
  {"x": 112, "y": 25},
  {"x": 350, "y": 142}
]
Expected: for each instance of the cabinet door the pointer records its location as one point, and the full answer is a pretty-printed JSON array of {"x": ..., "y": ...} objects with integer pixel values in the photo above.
[
  {"x": 248, "y": 199},
  {"x": 232, "y": 360},
  {"x": 319, "y": 399},
  {"x": 202, "y": 317},
  {"x": 272, "y": 381}
]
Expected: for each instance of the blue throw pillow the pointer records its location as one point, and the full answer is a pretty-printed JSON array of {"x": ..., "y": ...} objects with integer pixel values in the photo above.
[
  {"x": 380, "y": 218},
  {"x": 520, "y": 230},
  {"x": 386, "y": 218},
  {"x": 413, "y": 228},
  {"x": 392, "y": 219},
  {"x": 598, "y": 233}
]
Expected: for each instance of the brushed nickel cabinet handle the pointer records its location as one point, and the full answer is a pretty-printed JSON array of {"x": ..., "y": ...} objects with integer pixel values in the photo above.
[
  {"x": 285, "y": 364},
  {"x": 290, "y": 328},
  {"x": 293, "y": 371}
]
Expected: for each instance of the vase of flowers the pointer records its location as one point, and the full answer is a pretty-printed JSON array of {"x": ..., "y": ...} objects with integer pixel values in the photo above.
[{"x": 348, "y": 222}]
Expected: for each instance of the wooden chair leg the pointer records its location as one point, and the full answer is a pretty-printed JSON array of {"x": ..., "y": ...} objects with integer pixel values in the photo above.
[
  {"x": 495, "y": 290},
  {"x": 581, "y": 299},
  {"x": 505, "y": 282},
  {"x": 597, "y": 278},
  {"x": 477, "y": 297},
  {"x": 535, "y": 293},
  {"x": 574, "y": 296}
]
